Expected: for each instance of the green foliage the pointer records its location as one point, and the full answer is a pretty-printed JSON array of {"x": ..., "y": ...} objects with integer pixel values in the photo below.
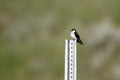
[{"x": 32, "y": 34}]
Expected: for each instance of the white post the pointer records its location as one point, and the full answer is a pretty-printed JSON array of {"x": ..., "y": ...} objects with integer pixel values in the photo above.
[{"x": 70, "y": 60}]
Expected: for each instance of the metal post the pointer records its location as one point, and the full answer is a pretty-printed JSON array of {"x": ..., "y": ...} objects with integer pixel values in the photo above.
[{"x": 70, "y": 60}]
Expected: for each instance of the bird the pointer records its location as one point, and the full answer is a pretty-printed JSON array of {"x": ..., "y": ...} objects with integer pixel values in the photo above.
[{"x": 75, "y": 36}]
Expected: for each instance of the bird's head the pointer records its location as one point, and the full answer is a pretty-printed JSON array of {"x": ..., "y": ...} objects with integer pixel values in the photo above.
[{"x": 73, "y": 29}]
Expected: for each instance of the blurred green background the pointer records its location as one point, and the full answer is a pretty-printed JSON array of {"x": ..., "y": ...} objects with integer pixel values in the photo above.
[{"x": 32, "y": 35}]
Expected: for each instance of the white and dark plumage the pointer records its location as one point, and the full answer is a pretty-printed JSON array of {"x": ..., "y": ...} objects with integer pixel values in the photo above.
[{"x": 76, "y": 36}]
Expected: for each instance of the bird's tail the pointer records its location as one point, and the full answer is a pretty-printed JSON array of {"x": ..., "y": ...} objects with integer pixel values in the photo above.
[{"x": 80, "y": 42}]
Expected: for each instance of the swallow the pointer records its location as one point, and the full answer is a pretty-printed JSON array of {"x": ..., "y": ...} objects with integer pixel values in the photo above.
[{"x": 75, "y": 36}]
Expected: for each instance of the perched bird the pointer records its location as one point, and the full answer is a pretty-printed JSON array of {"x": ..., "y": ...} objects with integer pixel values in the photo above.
[{"x": 76, "y": 36}]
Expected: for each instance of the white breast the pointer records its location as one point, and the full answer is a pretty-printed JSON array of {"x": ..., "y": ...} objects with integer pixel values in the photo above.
[{"x": 73, "y": 35}]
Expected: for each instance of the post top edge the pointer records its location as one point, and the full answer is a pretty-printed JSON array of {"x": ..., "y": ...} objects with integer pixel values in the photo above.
[{"x": 70, "y": 40}]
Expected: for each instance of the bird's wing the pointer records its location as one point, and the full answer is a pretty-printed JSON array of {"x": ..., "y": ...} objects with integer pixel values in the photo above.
[
  {"x": 78, "y": 38},
  {"x": 77, "y": 35}
]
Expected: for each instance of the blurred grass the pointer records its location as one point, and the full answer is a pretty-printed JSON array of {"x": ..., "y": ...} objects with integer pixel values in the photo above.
[{"x": 32, "y": 34}]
